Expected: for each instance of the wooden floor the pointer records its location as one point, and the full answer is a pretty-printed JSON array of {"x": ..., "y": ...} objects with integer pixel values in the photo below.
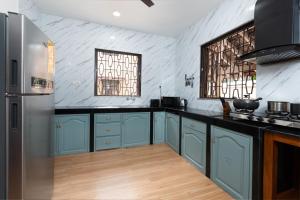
[{"x": 148, "y": 172}]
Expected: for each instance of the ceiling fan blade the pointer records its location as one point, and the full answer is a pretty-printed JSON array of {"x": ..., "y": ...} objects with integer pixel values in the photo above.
[{"x": 149, "y": 3}]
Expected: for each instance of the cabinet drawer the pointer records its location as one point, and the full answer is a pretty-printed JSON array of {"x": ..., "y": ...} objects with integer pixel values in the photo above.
[
  {"x": 108, "y": 129},
  {"x": 107, "y": 117},
  {"x": 110, "y": 142},
  {"x": 193, "y": 124}
]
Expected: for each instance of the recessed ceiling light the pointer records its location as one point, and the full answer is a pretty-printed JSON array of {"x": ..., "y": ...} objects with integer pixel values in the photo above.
[
  {"x": 112, "y": 37},
  {"x": 116, "y": 13}
]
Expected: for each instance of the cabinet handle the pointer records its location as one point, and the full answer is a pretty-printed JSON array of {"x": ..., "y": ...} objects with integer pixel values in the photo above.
[
  {"x": 108, "y": 130},
  {"x": 107, "y": 142}
]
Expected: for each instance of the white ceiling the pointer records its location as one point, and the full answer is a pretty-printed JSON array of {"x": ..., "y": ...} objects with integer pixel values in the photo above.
[{"x": 166, "y": 17}]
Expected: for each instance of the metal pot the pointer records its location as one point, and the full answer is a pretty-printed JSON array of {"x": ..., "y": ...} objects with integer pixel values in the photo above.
[
  {"x": 278, "y": 107},
  {"x": 246, "y": 104}
]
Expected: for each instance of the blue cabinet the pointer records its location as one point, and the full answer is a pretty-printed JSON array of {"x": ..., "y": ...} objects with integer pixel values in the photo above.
[
  {"x": 194, "y": 142},
  {"x": 108, "y": 142},
  {"x": 231, "y": 161},
  {"x": 72, "y": 134},
  {"x": 135, "y": 129},
  {"x": 159, "y": 127},
  {"x": 107, "y": 127},
  {"x": 172, "y": 131}
]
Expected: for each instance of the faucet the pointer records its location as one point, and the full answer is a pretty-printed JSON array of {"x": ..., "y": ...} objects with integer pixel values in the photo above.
[{"x": 130, "y": 98}]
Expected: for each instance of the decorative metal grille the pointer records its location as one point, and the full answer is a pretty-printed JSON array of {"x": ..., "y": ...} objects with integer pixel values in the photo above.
[
  {"x": 117, "y": 73},
  {"x": 222, "y": 73}
]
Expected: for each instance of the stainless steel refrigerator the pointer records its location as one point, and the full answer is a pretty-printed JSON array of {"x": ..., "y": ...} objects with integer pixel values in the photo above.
[{"x": 26, "y": 109}]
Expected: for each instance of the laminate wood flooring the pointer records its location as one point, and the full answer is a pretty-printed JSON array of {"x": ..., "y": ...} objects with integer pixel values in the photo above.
[{"x": 147, "y": 172}]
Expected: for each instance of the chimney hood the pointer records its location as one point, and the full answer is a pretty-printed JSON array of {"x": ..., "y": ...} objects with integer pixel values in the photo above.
[{"x": 277, "y": 31}]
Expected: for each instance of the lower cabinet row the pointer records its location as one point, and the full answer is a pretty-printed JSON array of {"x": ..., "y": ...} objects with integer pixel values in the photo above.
[
  {"x": 231, "y": 156},
  {"x": 116, "y": 130},
  {"x": 231, "y": 152},
  {"x": 112, "y": 130}
]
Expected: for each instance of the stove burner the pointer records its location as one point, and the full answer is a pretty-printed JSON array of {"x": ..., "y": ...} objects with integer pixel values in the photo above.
[
  {"x": 260, "y": 119},
  {"x": 244, "y": 111},
  {"x": 281, "y": 119},
  {"x": 276, "y": 113},
  {"x": 295, "y": 117}
]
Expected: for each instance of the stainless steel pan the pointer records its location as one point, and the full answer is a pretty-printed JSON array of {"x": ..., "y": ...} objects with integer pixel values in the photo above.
[{"x": 278, "y": 107}]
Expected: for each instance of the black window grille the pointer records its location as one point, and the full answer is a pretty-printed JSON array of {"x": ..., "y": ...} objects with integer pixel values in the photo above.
[
  {"x": 117, "y": 73},
  {"x": 222, "y": 73}
]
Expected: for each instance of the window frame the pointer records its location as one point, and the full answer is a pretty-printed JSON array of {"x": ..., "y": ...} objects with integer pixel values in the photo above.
[
  {"x": 139, "y": 72},
  {"x": 203, "y": 75}
]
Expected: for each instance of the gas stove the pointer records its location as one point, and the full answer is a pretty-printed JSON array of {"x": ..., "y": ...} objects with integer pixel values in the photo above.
[{"x": 280, "y": 119}]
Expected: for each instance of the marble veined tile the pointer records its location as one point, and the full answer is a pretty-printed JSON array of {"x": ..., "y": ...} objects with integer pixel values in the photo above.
[{"x": 165, "y": 60}]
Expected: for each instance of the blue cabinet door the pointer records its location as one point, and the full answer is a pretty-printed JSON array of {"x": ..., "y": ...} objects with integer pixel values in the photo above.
[
  {"x": 135, "y": 129},
  {"x": 159, "y": 127},
  {"x": 231, "y": 162},
  {"x": 194, "y": 147},
  {"x": 172, "y": 131},
  {"x": 72, "y": 134}
]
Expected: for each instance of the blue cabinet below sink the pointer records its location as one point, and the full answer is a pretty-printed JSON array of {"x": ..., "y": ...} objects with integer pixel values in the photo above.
[
  {"x": 135, "y": 129},
  {"x": 116, "y": 130},
  {"x": 108, "y": 131}
]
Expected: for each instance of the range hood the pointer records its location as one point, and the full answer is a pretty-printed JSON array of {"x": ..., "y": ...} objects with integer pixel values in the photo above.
[{"x": 277, "y": 31}]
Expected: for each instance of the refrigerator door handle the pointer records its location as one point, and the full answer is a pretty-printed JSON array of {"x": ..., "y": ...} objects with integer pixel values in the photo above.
[
  {"x": 15, "y": 148},
  {"x": 14, "y": 73},
  {"x": 14, "y": 115}
]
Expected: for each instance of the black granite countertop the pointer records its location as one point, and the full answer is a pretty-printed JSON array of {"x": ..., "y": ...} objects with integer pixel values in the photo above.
[
  {"x": 105, "y": 109},
  {"x": 294, "y": 132},
  {"x": 195, "y": 111},
  {"x": 214, "y": 118},
  {"x": 244, "y": 126}
]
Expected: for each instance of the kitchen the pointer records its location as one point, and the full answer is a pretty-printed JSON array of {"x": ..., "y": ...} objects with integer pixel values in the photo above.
[{"x": 86, "y": 109}]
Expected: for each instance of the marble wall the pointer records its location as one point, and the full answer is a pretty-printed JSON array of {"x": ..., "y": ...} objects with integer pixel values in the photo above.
[
  {"x": 274, "y": 82},
  {"x": 165, "y": 60},
  {"x": 76, "y": 41},
  {"x": 29, "y": 8},
  {"x": 229, "y": 15},
  {"x": 9, "y": 6}
]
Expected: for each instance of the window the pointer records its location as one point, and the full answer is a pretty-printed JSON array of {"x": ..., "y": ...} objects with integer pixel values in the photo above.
[
  {"x": 222, "y": 73},
  {"x": 117, "y": 73}
]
